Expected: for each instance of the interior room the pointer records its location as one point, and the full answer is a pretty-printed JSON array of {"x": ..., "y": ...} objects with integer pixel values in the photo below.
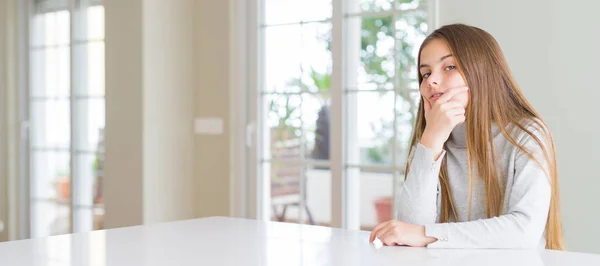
[{"x": 273, "y": 114}]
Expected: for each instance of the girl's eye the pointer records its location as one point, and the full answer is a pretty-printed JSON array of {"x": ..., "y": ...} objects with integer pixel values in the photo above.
[
  {"x": 450, "y": 67},
  {"x": 426, "y": 75}
]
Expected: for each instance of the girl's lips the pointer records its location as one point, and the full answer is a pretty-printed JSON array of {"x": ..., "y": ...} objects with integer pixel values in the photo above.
[{"x": 436, "y": 96}]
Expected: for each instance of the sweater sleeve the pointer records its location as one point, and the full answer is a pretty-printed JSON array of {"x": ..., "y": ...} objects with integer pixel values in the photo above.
[
  {"x": 417, "y": 195},
  {"x": 523, "y": 223}
]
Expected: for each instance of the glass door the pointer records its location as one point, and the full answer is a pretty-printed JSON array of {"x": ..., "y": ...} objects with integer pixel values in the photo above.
[
  {"x": 337, "y": 94},
  {"x": 67, "y": 116}
]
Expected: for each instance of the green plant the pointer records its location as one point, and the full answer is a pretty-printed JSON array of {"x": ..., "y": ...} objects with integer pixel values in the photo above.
[{"x": 376, "y": 63}]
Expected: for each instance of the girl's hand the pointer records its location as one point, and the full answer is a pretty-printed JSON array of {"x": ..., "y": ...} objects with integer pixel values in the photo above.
[
  {"x": 396, "y": 232},
  {"x": 441, "y": 118}
]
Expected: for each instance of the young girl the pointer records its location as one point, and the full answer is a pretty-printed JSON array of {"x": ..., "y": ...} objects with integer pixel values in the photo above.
[{"x": 482, "y": 170}]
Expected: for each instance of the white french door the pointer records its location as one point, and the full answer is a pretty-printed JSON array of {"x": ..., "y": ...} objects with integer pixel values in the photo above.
[
  {"x": 66, "y": 116},
  {"x": 331, "y": 105}
]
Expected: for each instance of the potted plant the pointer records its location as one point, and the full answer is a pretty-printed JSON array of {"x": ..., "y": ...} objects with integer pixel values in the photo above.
[
  {"x": 383, "y": 207},
  {"x": 62, "y": 185},
  {"x": 98, "y": 169}
]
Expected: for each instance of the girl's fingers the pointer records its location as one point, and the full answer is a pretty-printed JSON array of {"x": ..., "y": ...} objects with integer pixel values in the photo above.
[
  {"x": 376, "y": 231},
  {"x": 459, "y": 119},
  {"x": 456, "y": 111},
  {"x": 387, "y": 235},
  {"x": 448, "y": 95},
  {"x": 450, "y": 105}
]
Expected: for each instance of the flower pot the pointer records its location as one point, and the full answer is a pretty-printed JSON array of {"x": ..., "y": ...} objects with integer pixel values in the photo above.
[
  {"x": 383, "y": 207},
  {"x": 64, "y": 188}
]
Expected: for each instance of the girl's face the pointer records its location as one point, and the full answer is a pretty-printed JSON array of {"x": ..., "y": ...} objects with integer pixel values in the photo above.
[{"x": 440, "y": 73}]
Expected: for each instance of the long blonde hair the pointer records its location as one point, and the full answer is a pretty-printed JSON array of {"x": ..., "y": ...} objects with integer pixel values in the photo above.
[{"x": 498, "y": 99}]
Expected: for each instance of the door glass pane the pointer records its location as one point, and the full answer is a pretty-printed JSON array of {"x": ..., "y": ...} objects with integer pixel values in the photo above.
[
  {"x": 91, "y": 120},
  {"x": 283, "y": 58},
  {"x": 296, "y": 102},
  {"x": 407, "y": 105},
  {"x": 49, "y": 218},
  {"x": 50, "y": 124},
  {"x": 284, "y": 127},
  {"x": 50, "y": 175},
  {"x": 315, "y": 58},
  {"x": 369, "y": 5},
  {"x": 89, "y": 76},
  {"x": 50, "y": 193},
  {"x": 294, "y": 11},
  {"x": 370, "y": 53},
  {"x": 296, "y": 137},
  {"x": 370, "y": 133},
  {"x": 95, "y": 22},
  {"x": 375, "y": 192},
  {"x": 50, "y": 75},
  {"x": 288, "y": 195}
]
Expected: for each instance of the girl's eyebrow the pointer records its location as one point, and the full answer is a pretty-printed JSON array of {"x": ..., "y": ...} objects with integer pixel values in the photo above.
[{"x": 441, "y": 59}]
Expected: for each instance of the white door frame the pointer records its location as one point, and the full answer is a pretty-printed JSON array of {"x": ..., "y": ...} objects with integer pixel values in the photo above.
[
  {"x": 14, "y": 63},
  {"x": 239, "y": 138},
  {"x": 3, "y": 117}
]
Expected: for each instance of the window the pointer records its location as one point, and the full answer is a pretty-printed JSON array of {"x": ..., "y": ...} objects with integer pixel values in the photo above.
[
  {"x": 66, "y": 116},
  {"x": 375, "y": 88}
]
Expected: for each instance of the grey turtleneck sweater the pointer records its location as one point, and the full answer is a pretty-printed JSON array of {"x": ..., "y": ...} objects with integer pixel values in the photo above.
[{"x": 526, "y": 195}]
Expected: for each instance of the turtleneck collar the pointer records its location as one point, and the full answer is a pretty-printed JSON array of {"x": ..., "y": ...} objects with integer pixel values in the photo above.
[{"x": 458, "y": 136}]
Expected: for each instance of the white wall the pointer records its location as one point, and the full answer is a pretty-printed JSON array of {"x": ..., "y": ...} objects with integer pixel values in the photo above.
[
  {"x": 123, "y": 185},
  {"x": 167, "y": 62},
  {"x": 149, "y": 82},
  {"x": 211, "y": 95},
  {"x": 9, "y": 136},
  {"x": 3, "y": 139},
  {"x": 552, "y": 49},
  {"x": 168, "y": 100}
]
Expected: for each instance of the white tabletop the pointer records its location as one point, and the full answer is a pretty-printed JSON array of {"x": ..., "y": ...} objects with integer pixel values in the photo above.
[{"x": 229, "y": 241}]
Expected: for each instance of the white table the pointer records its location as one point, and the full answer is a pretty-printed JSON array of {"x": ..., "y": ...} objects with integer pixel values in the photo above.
[{"x": 229, "y": 241}]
